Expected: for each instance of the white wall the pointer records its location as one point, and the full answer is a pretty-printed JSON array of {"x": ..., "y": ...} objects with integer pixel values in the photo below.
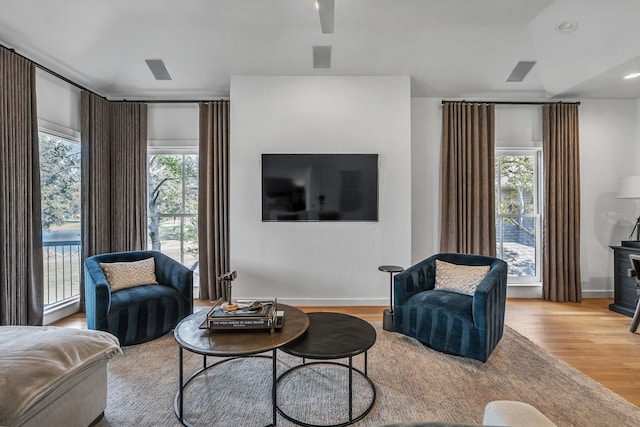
[
  {"x": 319, "y": 263},
  {"x": 426, "y": 133},
  {"x": 609, "y": 150},
  {"x": 518, "y": 126},
  {"x": 172, "y": 125},
  {"x": 169, "y": 124},
  {"x": 58, "y": 105}
]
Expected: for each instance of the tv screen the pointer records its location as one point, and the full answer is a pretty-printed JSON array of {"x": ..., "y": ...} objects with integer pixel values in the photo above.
[{"x": 320, "y": 187}]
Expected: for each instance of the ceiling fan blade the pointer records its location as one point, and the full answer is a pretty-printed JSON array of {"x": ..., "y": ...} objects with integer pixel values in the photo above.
[{"x": 326, "y": 10}]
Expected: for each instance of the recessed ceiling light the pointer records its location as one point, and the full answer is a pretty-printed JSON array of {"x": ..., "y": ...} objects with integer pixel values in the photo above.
[
  {"x": 632, "y": 76},
  {"x": 566, "y": 27}
]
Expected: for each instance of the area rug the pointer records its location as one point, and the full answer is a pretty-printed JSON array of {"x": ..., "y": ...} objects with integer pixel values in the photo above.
[{"x": 413, "y": 384}]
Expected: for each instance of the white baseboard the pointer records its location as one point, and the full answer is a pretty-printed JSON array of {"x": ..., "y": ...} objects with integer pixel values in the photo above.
[
  {"x": 520, "y": 290},
  {"x": 513, "y": 291},
  {"x": 323, "y": 302},
  {"x": 597, "y": 293},
  {"x": 523, "y": 291}
]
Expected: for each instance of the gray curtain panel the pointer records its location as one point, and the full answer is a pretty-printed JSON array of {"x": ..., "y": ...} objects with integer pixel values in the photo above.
[
  {"x": 21, "y": 271},
  {"x": 114, "y": 176},
  {"x": 561, "y": 277},
  {"x": 129, "y": 191},
  {"x": 468, "y": 179},
  {"x": 96, "y": 175},
  {"x": 213, "y": 198}
]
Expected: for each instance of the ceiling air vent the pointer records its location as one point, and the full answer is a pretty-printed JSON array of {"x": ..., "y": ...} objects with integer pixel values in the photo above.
[
  {"x": 520, "y": 71},
  {"x": 321, "y": 56},
  {"x": 158, "y": 69}
]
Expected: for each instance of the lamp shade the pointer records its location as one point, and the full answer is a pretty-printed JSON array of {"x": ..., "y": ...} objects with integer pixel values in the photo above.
[{"x": 629, "y": 187}]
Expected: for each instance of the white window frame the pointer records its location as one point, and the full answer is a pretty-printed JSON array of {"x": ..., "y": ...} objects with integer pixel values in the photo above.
[
  {"x": 537, "y": 215},
  {"x": 69, "y": 306},
  {"x": 175, "y": 150}
]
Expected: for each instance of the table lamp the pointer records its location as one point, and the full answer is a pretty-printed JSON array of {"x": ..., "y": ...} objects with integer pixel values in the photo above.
[
  {"x": 226, "y": 279},
  {"x": 629, "y": 188}
]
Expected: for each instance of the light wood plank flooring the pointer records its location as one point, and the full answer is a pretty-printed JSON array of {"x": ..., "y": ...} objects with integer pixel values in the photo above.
[{"x": 586, "y": 335}]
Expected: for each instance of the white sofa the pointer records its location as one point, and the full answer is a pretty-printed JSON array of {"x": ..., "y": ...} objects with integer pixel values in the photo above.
[
  {"x": 53, "y": 376},
  {"x": 497, "y": 413},
  {"x": 514, "y": 414}
]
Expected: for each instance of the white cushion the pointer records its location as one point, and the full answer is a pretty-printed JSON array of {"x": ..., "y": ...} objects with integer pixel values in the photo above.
[
  {"x": 514, "y": 414},
  {"x": 463, "y": 279},
  {"x": 123, "y": 275}
]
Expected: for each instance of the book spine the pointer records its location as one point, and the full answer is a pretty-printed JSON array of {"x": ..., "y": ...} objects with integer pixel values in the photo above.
[{"x": 240, "y": 323}]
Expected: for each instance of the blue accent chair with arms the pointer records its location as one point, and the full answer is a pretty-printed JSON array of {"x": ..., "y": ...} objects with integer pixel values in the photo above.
[
  {"x": 142, "y": 313},
  {"x": 451, "y": 322}
]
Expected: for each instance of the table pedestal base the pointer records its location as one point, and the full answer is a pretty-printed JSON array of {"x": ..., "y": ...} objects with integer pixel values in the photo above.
[{"x": 387, "y": 321}]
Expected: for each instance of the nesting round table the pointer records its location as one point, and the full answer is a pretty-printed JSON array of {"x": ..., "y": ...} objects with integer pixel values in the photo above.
[
  {"x": 232, "y": 345},
  {"x": 329, "y": 337}
]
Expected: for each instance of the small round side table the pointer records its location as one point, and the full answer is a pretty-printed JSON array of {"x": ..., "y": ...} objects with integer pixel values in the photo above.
[{"x": 387, "y": 318}]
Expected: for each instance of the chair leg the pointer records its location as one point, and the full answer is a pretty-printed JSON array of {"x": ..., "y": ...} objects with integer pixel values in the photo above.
[{"x": 636, "y": 316}]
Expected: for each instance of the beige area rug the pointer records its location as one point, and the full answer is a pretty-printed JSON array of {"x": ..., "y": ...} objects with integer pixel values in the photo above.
[{"x": 413, "y": 383}]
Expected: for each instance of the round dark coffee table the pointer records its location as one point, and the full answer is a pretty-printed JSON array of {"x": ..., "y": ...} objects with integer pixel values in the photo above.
[
  {"x": 332, "y": 336},
  {"x": 232, "y": 345}
]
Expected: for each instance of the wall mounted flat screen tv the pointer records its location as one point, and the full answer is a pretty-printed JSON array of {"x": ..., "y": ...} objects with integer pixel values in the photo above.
[{"x": 319, "y": 187}]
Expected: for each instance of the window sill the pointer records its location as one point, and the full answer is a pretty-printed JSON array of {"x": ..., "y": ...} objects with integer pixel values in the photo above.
[
  {"x": 524, "y": 284},
  {"x": 58, "y": 311}
]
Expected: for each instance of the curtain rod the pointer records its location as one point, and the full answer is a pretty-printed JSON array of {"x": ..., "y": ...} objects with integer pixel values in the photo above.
[
  {"x": 72, "y": 83},
  {"x": 169, "y": 101},
  {"x": 517, "y": 102},
  {"x": 50, "y": 71}
]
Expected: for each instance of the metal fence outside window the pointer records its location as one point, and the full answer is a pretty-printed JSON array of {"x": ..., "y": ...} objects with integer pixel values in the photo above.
[{"x": 62, "y": 268}]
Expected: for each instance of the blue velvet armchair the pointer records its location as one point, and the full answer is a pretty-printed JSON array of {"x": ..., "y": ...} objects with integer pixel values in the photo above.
[
  {"x": 451, "y": 322},
  {"x": 142, "y": 313}
]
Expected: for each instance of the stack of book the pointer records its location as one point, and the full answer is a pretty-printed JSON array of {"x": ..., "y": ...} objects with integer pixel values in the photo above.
[{"x": 250, "y": 315}]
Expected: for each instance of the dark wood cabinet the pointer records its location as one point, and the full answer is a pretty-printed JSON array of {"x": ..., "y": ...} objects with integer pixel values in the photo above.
[{"x": 625, "y": 288}]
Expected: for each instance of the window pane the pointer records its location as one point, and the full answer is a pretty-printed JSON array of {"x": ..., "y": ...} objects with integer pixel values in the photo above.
[
  {"x": 190, "y": 239},
  {"x": 191, "y": 184},
  {"x": 165, "y": 184},
  {"x": 517, "y": 213},
  {"x": 60, "y": 204},
  {"x": 173, "y": 206},
  {"x": 499, "y": 237},
  {"x": 519, "y": 245},
  {"x": 170, "y": 236},
  {"x": 516, "y": 185}
]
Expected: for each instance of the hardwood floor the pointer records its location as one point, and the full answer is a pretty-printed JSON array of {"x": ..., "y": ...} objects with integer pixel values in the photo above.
[{"x": 586, "y": 335}]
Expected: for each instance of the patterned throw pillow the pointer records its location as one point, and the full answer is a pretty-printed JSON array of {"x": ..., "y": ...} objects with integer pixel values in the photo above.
[
  {"x": 123, "y": 275},
  {"x": 463, "y": 279}
]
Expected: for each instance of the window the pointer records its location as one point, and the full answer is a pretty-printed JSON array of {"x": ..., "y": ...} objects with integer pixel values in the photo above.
[
  {"x": 173, "y": 206},
  {"x": 518, "y": 213},
  {"x": 60, "y": 204}
]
